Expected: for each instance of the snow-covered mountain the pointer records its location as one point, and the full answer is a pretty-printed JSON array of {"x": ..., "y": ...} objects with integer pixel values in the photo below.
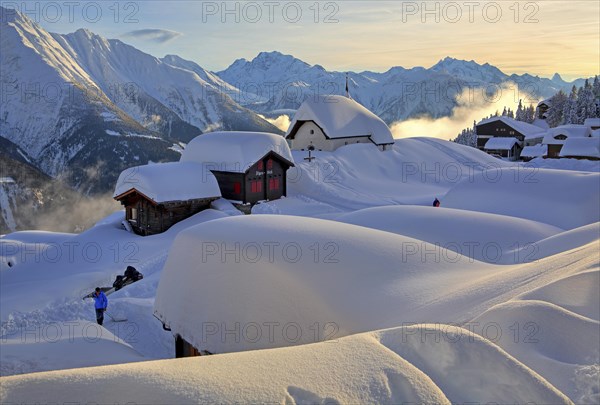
[
  {"x": 84, "y": 107},
  {"x": 284, "y": 81}
]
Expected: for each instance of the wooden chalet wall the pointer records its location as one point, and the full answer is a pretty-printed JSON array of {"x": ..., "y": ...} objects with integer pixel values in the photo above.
[
  {"x": 184, "y": 348},
  {"x": 496, "y": 129},
  {"x": 149, "y": 218},
  {"x": 265, "y": 180}
]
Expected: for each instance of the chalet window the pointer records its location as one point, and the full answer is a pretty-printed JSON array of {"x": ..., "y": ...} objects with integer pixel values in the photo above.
[
  {"x": 312, "y": 131},
  {"x": 134, "y": 214},
  {"x": 256, "y": 186},
  {"x": 261, "y": 166},
  {"x": 269, "y": 164},
  {"x": 274, "y": 184},
  {"x": 237, "y": 187}
]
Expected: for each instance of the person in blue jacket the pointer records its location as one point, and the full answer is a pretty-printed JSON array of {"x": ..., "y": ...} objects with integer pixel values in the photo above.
[{"x": 101, "y": 303}]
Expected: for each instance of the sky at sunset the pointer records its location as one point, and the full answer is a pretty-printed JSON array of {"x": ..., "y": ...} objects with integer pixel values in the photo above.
[{"x": 539, "y": 37}]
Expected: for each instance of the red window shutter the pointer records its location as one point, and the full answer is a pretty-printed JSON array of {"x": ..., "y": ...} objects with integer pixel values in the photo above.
[
  {"x": 260, "y": 166},
  {"x": 269, "y": 164},
  {"x": 237, "y": 187},
  {"x": 258, "y": 186}
]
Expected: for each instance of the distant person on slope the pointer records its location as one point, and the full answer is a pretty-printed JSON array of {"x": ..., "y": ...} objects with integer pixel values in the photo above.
[
  {"x": 436, "y": 203},
  {"x": 100, "y": 303}
]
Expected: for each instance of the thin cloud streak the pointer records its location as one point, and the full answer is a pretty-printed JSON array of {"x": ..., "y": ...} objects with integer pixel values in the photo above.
[{"x": 160, "y": 36}]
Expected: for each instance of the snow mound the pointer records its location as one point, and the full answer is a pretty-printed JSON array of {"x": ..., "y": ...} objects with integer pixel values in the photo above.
[
  {"x": 342, "y": 117},
  {"x": 564, "y": 199},
  {"x": 164, "y": 182},
  {"x": 581, "y": 165},
  {"x": 225, "y": 206},
  {"x": 63, "y": 345},
  {"x": 312, "y": 279},
  {"x": 364, "y": 368},
  {"x": 564, "y": 242},
  {"x": 485, "y": 237},
  {"x": 413, "y": 171},
  {"x": 353, "y": 370},
  {"x": 577, "y": 293},
  {"x": 555, "y": 342},
  {"x": 234, "y": 151},
  {"x": 455, "y": 359}
]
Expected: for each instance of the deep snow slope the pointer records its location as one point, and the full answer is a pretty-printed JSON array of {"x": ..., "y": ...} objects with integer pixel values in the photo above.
[
  {"x": 566, "y": 199},
  {"x": 414, "y": 171},
  {"x": 485, "y": 237},
  {"x": 388, "y": 366}
]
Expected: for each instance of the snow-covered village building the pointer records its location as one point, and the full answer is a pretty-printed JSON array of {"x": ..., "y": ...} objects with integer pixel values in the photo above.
[
  {"x": 592, "y": 123},
  {"x": 249, "y": 166},
  {"x": 581, "y": 148},
  {"x": 556, "y": 137},
  {"x": 157, "y": 196},
  {"x": 244, "y": 167},
  {"x": 542, "y": 108},
  {"x": 328, "y": 122},
  {"x": 534, "y": 151},
  {"x": 506, "y": 137}
]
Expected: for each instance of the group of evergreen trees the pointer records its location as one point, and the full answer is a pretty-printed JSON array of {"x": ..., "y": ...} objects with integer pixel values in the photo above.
[
  {"x": 574, "y": 108},
  {"x": 581, "y": 103}
]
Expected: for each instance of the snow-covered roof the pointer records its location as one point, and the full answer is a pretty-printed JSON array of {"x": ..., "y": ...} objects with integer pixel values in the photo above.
[
  {"x": 529, "y": 130},
  {"x": 500, "y": 143},
  {"x": 534, "y": 151},
  {"x": 538, "y": 122},
  {"x": 581, "y": 147},
  {"x": 284, "y": 285},
  {"x": 595, "y": 133},
  {"x": 592, "y": 122},
  {"x": 549, "y": 140},
  {"x": 570, "y": 131},
  {"x": 164, "y": 182},
  {"x": 234, "y": 151},
  {"x": 341, "y": 117},
  {"x": 547, "y": 101}
]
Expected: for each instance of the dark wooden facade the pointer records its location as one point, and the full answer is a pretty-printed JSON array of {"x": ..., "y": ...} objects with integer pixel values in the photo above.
[
  {"x": 263, "y": 181},
  {"x": 554, "y": 150},
  {"x": 184, "y": 349},
  {"x": 148, "y": 217},
  {"x": 496, "y": 129}
]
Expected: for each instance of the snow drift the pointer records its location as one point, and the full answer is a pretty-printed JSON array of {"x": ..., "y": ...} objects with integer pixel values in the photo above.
[
  {"x": 364, "y": 368},
  {"x": 564, "y": 199}
]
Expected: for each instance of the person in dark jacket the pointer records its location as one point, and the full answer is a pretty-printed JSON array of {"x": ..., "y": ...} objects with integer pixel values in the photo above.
[
  {"x": 100, "y": 303},
  {"x": 436, "y": 203}
]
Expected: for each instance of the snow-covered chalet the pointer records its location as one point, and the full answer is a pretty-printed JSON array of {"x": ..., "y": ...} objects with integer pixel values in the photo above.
[
  {"x": 326, "y": 123},
  {"x": 157, "y": 196},
  {"x": 244, "y": 167},
  {"x": 249, "y": 166},
  {"x": 507, "y": 137}
]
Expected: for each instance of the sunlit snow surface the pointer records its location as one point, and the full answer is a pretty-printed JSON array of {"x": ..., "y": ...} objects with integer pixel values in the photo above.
[{"x": 492, "y": 297}]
